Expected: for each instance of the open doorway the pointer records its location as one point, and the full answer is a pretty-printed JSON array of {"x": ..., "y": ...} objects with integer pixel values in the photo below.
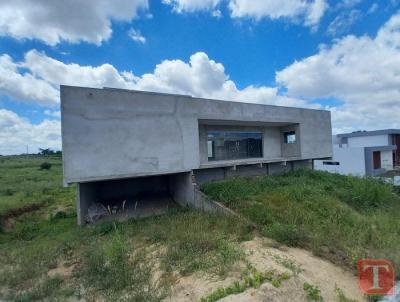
[{"x": 376, "y": 159}]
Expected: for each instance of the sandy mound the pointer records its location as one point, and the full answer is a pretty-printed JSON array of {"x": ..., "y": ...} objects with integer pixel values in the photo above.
[{"x": 264, "y": 257}]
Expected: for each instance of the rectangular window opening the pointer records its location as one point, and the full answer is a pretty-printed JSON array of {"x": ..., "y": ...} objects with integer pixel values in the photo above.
[
  {"x": 229, "y": 145},
  {"x": 331, "y": 163},
  {"x": 289, "y": 137}
]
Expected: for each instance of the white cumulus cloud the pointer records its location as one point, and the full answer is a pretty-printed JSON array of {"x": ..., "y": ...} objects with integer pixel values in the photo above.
[
  {"x": 310, "y": 11},
  {"x": 362, "y": 72},
  {"x": 17, "y": 133},
  {"x": 72, "y": 20},
  {"x": 25, "y": 86},
  {"x": 201, "y": 77}
]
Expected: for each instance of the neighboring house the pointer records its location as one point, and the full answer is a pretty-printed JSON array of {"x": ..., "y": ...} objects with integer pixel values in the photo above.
[
  {"x": 118, "y": 144},
  {"x": 363, "y": 153}
]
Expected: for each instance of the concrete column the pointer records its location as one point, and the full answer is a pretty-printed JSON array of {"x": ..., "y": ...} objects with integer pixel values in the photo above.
[{"x": 86, "y": 194}]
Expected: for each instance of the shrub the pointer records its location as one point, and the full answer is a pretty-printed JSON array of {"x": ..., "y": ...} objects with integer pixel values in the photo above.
[{"x": 45, "y": 166}]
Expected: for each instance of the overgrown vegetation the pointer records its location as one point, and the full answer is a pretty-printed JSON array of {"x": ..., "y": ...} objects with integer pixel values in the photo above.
[
  {"x": 45, "y": 255},
  {"x": 339, "y": 217}
]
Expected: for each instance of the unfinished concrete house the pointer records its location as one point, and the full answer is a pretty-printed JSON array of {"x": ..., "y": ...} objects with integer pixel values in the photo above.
[{"x": 137, "y": 153}]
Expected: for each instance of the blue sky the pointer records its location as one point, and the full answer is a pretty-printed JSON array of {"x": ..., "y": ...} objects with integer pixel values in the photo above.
[{"x": 343, "y": 56}]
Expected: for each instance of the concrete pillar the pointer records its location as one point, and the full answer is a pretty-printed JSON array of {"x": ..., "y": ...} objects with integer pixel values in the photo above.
[{"x": 86, "y": 194}]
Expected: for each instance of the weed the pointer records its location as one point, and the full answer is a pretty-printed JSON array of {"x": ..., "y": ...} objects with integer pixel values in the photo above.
[
  {"x": 289, "y": 264},
  {"x": 252, "y": 279},
  {"x": 341, "y": 296},
  {"x": 313, "y": 293}
]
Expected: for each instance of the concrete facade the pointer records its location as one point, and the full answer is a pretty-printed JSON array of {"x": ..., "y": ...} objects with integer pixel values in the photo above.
[{"x": 116, "y": 134}]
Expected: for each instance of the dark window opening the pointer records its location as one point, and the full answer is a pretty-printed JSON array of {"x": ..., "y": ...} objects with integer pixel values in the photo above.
[
  {"x": 289, "y": 137},
  {"x": 331, "y": 163},
  {"x": 228, "y": 145},
  {"x": 377, "y": 159}
]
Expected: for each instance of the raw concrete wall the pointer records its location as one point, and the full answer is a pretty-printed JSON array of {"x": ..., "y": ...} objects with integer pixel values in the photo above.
[
  {"x": 215, "y": 174},
  {"x": 248, "y": 170},
  {"x": 186, "y": 193},
  {"x": 206, "y": 175},
  {"x": 291, "y": 150},
  {"x": 272, "y": 142},
  {"x": 182, "y": 189},
  {"x": 86, "y": 194},
  {"x": 278, "y": 168},
  {"x": 302, "y": 164},
  {"x": 112, "y": 133}
]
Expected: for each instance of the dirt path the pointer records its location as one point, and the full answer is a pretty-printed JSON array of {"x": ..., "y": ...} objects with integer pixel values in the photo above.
[{"x": 264, "y": 257}]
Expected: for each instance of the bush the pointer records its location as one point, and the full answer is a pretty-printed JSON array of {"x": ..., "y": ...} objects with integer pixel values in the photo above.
[{"x": 45, "y": 166}]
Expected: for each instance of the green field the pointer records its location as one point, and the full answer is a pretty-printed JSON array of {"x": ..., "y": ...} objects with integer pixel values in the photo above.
[
  {"x": 44, "y": 255},
  {"x": 109, "y": 260}
]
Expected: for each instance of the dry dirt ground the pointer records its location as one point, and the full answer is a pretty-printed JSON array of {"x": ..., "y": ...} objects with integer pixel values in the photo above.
[{"x": 262, "y": 254}]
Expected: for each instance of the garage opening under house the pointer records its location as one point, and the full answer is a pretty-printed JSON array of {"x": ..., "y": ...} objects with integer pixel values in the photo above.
[{"x": 135, "y": 153}]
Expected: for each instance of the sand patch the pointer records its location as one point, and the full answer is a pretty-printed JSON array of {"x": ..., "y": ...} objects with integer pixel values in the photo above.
[{"x": 304, "y": 267}]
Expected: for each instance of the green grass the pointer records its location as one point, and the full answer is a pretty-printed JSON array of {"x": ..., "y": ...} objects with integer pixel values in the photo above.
[
  {"x": 110, "y": 260},
  {"x": 342, "y": 218},
  {"x": 23, "y": 183},
  {"x": 339, "y": 217}
]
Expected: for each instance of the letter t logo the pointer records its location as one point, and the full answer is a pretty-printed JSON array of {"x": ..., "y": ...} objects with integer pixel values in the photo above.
[{"x": 376, "y": 277}]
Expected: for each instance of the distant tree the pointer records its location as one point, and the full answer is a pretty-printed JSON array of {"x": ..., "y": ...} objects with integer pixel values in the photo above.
[{"x": 45, "y": 152}]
